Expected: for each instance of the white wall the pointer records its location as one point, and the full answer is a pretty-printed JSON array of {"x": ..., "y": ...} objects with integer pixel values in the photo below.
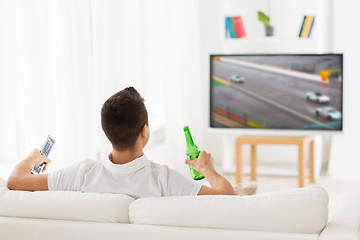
[
  {"x": 345, "y": 158},
  {"x": 345, "y": 40}
]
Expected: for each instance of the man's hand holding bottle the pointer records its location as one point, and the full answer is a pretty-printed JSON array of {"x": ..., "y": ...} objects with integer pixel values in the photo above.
[{"x": 204, "y": 163}]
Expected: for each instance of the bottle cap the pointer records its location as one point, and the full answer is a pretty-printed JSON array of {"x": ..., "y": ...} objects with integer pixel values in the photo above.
[{"x": 186, "y": 128}]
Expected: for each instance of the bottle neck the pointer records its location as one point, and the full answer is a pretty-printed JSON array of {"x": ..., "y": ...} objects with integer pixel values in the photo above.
[{"x": 189, "y": 139}]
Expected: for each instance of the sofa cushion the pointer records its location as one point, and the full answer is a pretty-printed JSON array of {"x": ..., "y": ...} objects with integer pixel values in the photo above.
[
  {"x": 43, "y": 229},
  {"x": 66, "y": 205},
  {"x": 303, "y": 210},
  {"x": 345, "y": 224}
]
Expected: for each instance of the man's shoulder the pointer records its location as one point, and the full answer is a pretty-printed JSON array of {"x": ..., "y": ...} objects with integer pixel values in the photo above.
[
  {"x": 158, "y": 166},
  {"x": 83, "y": 165},
  {"x": 90, "y": 163},
  {"x": 163, "y": 170}
]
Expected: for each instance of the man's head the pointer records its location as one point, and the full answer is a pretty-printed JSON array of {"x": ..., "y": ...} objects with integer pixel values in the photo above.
[{"x": 123, "y": 117}]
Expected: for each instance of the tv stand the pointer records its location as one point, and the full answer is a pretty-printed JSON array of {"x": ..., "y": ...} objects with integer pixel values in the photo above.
[{"x": 300, "y": 141}]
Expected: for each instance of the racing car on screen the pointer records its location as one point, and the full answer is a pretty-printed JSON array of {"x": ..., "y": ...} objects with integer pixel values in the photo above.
[
  {"x": 317, "y": 97},
  {"x": 328, "y": 112},
  {"x": 237, "y": 78}
]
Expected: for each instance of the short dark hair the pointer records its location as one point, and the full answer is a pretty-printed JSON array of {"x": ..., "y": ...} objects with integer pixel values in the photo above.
[{"x": 123, "y": 116}]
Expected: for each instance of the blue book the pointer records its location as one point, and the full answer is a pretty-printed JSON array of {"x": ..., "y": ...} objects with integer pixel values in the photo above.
[
  {"x": 228, "y": 33},
  {"x": 312, "y": 24}
]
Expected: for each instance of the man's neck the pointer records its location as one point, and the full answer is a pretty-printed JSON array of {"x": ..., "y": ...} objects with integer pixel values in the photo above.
[{"x": 122, "y": 157}]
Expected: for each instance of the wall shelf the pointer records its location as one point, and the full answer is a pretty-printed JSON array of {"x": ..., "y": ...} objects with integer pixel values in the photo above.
[
  {"x": 286, "y": 23},
  {"x": 270, "y": 45}
]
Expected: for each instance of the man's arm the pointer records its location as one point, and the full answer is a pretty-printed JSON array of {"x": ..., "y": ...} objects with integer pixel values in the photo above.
[
  {"x": 21, "y": 177},
  {"x": 219, "y": 185}
]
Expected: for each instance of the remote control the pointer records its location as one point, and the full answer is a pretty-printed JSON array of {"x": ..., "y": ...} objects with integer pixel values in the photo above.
[{"x": 45, "y": 151}]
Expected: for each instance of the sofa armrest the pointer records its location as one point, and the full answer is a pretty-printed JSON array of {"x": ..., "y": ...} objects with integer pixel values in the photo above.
[{"x": 345, "y": 224}]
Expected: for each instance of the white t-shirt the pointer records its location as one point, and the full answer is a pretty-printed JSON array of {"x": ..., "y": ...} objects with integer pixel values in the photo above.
[{"x": 138, "y": 178}]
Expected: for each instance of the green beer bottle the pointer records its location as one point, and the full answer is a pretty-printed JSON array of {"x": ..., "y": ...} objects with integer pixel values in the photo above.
[{"x": 192, "y": 153}]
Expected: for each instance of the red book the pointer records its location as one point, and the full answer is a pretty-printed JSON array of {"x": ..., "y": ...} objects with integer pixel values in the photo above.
[{"x": 239, "y": 27}]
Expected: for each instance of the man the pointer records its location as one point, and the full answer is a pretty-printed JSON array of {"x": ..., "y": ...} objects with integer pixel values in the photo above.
[{"x": 126, "y": 170}]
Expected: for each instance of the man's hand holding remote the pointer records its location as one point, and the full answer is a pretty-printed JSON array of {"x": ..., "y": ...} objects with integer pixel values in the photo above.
[
  {"x": 21, "y": 177},
  {"x": 35, "y": 158}
]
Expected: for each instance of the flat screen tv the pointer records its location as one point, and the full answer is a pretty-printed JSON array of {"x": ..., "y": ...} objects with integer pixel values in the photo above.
[{"x": 276, "y": 92}]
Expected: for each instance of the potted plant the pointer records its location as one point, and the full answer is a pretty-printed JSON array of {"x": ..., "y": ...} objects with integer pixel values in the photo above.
[{"x": 269, "y": 30}]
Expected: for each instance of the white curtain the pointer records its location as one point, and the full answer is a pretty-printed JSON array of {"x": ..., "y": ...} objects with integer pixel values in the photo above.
[
  {"x": 61, "y": 59},
  {"x": 46, "y": 80}
]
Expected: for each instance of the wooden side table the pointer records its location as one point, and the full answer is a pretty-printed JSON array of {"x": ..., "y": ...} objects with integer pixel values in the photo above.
[{"x": 300, "y": 141}]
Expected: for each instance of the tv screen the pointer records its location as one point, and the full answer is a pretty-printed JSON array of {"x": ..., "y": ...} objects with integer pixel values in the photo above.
[{"x": 276, "y": 91}]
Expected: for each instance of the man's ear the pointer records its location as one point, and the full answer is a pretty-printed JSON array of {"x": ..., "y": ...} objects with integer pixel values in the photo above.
[
  {"x": 145, "y": 131},
  {"x": 145, "y": 134}
]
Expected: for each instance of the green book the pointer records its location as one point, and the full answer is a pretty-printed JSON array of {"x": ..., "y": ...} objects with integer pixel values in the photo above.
[
  {"x": 232, "y": 28},
  {"x": 302, "y": 26}
]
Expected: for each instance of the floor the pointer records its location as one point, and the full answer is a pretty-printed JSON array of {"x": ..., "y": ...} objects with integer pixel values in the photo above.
[{"x": 336, "y": 188}]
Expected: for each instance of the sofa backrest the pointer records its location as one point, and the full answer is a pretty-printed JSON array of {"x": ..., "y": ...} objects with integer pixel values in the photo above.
[
  {"x": 65, "y": 205},
  {"x": 297, "y": 211},
  {"x": 303, "y": 210}
]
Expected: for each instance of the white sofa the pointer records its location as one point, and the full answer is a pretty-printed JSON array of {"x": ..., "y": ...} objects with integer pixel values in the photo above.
[{"x": 296, "y": 214}]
